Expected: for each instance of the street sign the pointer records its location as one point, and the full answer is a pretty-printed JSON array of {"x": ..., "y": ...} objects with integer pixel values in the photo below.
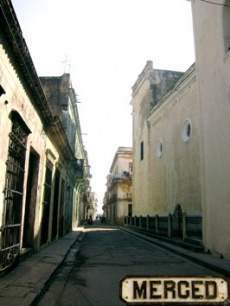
[{"x": 156, "y": 290}]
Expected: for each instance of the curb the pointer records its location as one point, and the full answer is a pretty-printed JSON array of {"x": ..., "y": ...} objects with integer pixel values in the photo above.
[
  {"x": 46, "y": 284},
  {"x": 220, "y": 266},
  {"x": 26, "y": 283}
]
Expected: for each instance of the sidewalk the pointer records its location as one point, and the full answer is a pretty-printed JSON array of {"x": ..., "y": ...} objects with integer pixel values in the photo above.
[
  {"x": 22, "y": 285},
  {"x": 218, "y": 265}
]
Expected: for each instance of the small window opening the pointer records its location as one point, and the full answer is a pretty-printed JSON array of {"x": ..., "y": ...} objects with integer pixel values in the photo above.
[
  {"x": 187, "y": 130},
  {"x": 159, "y": 149},
  {"x": 142, "y": 150}
]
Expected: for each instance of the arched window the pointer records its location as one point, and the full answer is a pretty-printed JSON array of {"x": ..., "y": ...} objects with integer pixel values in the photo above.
[
  {"x": 226, "y": 25},
  {"x": 159, "y": 149},
  {"x": 187, "y": 130}
]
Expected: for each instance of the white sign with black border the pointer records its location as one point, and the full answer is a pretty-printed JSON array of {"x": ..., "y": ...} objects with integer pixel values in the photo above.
[{"x": 186, "y": 290}]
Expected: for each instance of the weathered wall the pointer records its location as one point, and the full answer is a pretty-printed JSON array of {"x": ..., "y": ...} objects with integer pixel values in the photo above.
[
  {"x": 60, "y": 97},
  {"x": 18, "y": 100},
  {"x": 121, "y": 162},
  {"x": 124, "y": 195},
  {"x": 174, "y": 177},
  {"x": 119, "y": 186},
  {"x": 161, "y": 182},
  {"x": 213, "y": 71},
  {"x": 141, "y": 109}
]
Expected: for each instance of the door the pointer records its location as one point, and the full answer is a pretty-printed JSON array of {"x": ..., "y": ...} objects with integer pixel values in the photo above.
[
  {"x": 55, "y": 204},
  {"x": 61, "y": 210},
  {"x": 31, "y": 199},
  {"x": 13, "y": 192},
  {"x": 130, "y": 210},
  {"x": 46, "y": 203}
]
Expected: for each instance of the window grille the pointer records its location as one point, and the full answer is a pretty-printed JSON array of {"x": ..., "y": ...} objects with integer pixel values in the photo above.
[{"x": 13, "y": 194}]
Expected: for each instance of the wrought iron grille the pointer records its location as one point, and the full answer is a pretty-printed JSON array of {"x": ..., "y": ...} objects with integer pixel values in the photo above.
[{"x": 13, "y": 195}]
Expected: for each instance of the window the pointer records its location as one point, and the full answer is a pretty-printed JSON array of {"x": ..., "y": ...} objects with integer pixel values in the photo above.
[
  {"x": 226, "y": 25},
  {"x": 187, "y": 130},
  {"x": 159, "y": 149},
  {"x": 142, "y": 150},
  {"x": 13, "y": 191}
]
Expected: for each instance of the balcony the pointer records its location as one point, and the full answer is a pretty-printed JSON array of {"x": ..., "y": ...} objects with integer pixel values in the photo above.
[
  {"x": 78, "y": 165},
  {"x": 125, "y": 175}
]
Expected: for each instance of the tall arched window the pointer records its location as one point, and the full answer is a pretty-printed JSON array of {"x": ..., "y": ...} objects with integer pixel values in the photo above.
[{"x": 226, "y": 25}]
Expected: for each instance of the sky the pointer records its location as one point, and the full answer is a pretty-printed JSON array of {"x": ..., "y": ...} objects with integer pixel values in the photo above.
[{"x": 104, "y": 44}]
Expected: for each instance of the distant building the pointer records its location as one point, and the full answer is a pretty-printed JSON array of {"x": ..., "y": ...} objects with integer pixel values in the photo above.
[
  {"x": 91, "y": 207},
  {"x": 42, "y": 159},
  {"x": 118, "y": 196}
]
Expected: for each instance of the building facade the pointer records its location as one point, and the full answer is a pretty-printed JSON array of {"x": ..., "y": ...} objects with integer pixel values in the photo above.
[
  {"x": 180, "y": 133},
  {"x": 62, "y": 100},
  {"x": 41, "y": 154},
  {"x": 118, "y": 196},
  {"x": 166, "y": 159},
  {"x": 213, "y": 76},
  {"x": 91, "y": 205}
]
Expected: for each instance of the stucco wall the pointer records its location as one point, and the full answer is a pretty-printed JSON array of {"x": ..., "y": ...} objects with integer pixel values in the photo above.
[
  {"x": 173, "y": 178},
  {"x": 122, "y": 210},
  {"x": 141, "y": 109},
  {"x": 119, "y": 186},
  {"x": 213, "y": 71},
  {"x": 18, "y": 100}
]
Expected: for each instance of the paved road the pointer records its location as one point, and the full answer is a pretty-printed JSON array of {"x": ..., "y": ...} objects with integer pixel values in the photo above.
[{"x": 106, "y": 255}]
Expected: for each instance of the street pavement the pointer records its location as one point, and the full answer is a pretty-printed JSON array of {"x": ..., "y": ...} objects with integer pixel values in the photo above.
[{"x": 91, "y": 274}]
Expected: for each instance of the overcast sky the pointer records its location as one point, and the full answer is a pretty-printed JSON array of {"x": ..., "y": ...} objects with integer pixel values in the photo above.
[{"x": 107, "y": 43}]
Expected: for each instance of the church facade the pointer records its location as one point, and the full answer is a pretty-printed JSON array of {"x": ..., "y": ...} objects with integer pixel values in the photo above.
[{"x": 181, "y": 133}]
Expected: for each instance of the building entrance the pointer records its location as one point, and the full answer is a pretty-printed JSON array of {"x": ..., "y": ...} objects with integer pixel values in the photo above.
[
  {"x": 13, "y": 192},
  {"x": 31, "y": 199}
]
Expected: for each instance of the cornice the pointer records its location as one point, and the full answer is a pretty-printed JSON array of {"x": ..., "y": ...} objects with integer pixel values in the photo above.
[
  {"x": 146, "y": 74},
  {"x": 19, "y": 54}
]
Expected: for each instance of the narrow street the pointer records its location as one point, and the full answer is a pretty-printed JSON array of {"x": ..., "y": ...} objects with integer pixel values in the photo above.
[
  {"x": 114, "y": 153},
  {"x": 105, "y": 256}
]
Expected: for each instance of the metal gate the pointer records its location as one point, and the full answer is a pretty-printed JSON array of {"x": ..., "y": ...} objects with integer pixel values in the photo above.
[{"x": 13, "y": 193}]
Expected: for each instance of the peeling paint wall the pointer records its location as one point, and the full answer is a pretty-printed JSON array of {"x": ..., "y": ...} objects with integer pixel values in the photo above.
[{"x": 17, "y": 99}]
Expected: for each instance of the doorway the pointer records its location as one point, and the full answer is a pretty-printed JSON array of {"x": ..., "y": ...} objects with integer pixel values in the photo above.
[
  {"x": 46, "y": 203},
  {"x": 31, "y": 199},
  {"x": 61, "y": 210},
  {"x": 130, "y": 210},
  {"x": 55, "y": 204},
  {"x": 13, "y": 192}
]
